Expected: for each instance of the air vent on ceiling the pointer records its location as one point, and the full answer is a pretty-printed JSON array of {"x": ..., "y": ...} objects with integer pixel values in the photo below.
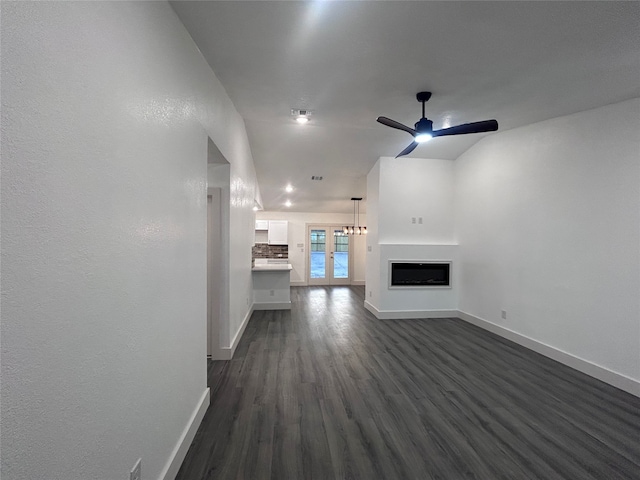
[
  {"x": 296, "y": 112},
  {"x": 316, "y": 177}
]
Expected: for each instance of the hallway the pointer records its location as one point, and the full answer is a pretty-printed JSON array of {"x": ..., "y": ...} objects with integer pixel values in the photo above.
[{"x": 327, "y": 391}]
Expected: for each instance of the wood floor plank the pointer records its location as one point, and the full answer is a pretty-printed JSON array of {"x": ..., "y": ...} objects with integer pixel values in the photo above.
[{"x": 327, "y": 391}]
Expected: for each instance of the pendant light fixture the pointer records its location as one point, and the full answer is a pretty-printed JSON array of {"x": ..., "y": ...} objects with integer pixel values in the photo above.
[{"x": 355, "y": 229}]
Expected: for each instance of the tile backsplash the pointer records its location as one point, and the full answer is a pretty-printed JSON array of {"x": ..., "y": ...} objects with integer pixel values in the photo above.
[{"x": 264, "y": 250}]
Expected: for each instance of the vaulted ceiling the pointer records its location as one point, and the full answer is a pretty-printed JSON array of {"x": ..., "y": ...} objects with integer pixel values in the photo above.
[{"x": 349, "y": 62}]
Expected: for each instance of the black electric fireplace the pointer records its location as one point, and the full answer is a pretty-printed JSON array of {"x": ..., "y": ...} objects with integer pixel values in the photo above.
[{"x": 420, "y": 274}]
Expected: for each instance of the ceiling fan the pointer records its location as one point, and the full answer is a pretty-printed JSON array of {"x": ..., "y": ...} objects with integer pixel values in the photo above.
[{"x": 424, "y": 132}]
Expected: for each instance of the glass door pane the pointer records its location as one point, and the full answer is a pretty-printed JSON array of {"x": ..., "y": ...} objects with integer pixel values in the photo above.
[
  {"x": 340, "y": 254},
  {"x": 329, "y": 251},
  {"x": 318, "y": 254}
]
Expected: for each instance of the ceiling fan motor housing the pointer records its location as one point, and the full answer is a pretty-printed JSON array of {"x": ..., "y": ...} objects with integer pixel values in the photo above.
[{"x": 424, "y": 125}]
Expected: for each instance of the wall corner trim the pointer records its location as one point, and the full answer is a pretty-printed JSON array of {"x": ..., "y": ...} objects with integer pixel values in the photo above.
[
  {"x": 226, "y": 353},
  {"x": 184, "y": 442},
  {"x": 615, "y": 379}
]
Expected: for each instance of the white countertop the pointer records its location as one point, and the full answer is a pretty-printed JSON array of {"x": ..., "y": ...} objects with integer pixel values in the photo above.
[{"x": 271, "y": 267}]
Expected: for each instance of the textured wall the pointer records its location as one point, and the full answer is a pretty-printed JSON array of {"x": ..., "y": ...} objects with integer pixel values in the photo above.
[
  {"x": 548, "y": 221},
  {"x": 106, "y": 109}
]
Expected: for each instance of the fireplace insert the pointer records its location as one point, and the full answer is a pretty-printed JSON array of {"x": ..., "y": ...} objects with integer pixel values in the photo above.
[{"x": 420, "y": 274}]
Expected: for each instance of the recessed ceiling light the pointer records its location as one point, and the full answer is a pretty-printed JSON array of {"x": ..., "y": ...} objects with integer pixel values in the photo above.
[
  {"x": 288, "y": 189},
  {"x": 255, "y": 208},
  {"x": 287, "y": 203},
  {"x": 301, "y": 115}
]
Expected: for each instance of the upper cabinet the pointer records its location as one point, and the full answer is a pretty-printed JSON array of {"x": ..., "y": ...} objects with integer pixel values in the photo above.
[
  {"x": 273, "y": 232},
  {"x": 278, "y": 232},
  {"x": 262, "y": 224}
]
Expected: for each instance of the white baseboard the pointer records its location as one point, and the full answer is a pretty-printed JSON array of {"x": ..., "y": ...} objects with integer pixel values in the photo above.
[
  {"x": 299, "y": 284},
  {"x": 409, "y": 314},
  {"x": 618, "y": 380},
  {"x": 272, "y": 306},
  {"x": 357, "y": 282},
  {"x": 226, "y": 353},
  {"x": 184, "y": 442}
]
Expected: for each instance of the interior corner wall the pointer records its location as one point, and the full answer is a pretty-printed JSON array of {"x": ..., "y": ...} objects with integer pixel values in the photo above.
[
  {"x": 548, "y": 221},
  {"x": 297, "y": 240},
  {"x": 107, "y": 108},
  {"x": 372, "y": 255}
]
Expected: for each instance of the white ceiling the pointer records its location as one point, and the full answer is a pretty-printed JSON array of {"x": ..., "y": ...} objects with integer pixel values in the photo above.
[{"x": 350, "y": 62}]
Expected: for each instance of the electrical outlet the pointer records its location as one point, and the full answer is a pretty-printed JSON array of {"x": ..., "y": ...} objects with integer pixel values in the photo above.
[
  {"x": 136, "y": 471},
  {"x": 504, "y": 314},
  {"x": 370, "y": 293},
  {"x": 413, "y": 220},
  {"x": 271, "y": 293},
  {"x": 420, "y": 220},
  {"x": 247, "y": 301},
  {"x": 368, "y": 248}
]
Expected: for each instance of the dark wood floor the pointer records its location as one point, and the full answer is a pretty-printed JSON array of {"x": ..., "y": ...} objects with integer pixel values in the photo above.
[{"x": 327, "y": 391}]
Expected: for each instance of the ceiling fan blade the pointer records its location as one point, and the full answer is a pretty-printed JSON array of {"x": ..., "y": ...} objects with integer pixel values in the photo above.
[
  {"x": 393, "y": 124},
  {"x": 475, "y": 127},
  {"x": 408, "y": 150}
]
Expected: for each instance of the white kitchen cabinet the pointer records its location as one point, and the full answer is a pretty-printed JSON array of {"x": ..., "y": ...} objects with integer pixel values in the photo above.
[
  {"x": 278, "y": 232},
  {"x": 262, "y": 224}
]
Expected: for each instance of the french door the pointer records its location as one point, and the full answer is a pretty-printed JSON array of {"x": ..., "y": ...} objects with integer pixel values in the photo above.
[{"x": 329, "y": 255}]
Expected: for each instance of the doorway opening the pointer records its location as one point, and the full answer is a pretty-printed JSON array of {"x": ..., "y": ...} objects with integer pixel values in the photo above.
[{"x": 218, "y": 198}]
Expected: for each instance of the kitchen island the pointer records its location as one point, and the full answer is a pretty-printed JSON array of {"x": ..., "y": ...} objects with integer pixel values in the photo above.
[{"x": 271, "y": 286}]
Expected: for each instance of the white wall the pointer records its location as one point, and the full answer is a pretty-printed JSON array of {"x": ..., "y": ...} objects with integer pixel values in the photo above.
[
  {"x": 106, "y": 110},
  {"x": 415, "y": 188},
  {"x": 297, "y": 235},
  {"x": 548, "y": 221}
]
